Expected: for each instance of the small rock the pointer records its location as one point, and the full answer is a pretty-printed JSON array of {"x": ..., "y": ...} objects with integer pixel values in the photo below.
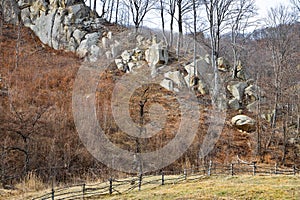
[
  {"x": 78, "y": 35},
  {"x": 108, "y": 54},
  {"x": 131, "y": 66},
  {"x": 115, "y": 50},
  {"x": 251, "y": 93},
  {"x": 119, "y": 63},
  {"x": 126, "y": 56},
  {"x": 95, "y": 52},
  {"x": 105, "y": 43},
  {"x": 109, "y": 35},
  {"x": 223, "y": 64},
  {"x": 167, "y": 84}
]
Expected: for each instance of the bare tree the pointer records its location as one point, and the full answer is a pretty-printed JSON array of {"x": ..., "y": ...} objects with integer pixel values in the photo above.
[
  {"x": 117, "y": 11},
  {"x": 195, "y": 32},
  {"x": 241, "y": 13},
  {"x": 103, "y": 9},
  {"x": 162, "y": 9},
  {"x": 95, "y": 5},
  {"x": 139, "y": 9},
  {"x": 296, "y": 3},
  {"x": 171, "y": 11},
  {"x": 111, "y": 10},
  {"x": 217, "y": 12},
  {"x": 279, "y": 35},
  {"x": 1, "y": 18},
  {"x": 183, "y": 7}
]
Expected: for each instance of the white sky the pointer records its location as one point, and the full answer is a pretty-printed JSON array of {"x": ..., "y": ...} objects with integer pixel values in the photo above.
[{"x": 264, "y": 5}]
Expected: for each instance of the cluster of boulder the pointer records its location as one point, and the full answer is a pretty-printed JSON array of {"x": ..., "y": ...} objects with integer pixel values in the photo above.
[
  {"x": 73, "y": 26},
  {"x": 243, "y": 94},
  {"x": 154, "y": 55}
]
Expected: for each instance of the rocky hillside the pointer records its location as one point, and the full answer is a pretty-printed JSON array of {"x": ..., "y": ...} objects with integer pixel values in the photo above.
[{"x": 39, "y": 64}]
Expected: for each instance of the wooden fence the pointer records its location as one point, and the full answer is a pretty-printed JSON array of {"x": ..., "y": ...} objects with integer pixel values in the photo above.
[{"x": 114, "y": 186}]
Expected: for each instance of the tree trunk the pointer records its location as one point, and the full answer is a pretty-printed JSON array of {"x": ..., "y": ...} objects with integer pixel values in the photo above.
[
  {"x": 171, "y": 30},
  {"x": 195, "y": 32},
  {"x": 117, "y": 11},
  {"x": 163, "y": 22},
  {"x": 111, "y": 10},
  {"x": 180, "y": 27},
  {"x": 95, "y": 5}
]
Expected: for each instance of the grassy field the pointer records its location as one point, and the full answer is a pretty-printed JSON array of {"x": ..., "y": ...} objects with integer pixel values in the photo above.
[
  {"x": 239, "y": 187},
  {"x": 214, "y": 187}
]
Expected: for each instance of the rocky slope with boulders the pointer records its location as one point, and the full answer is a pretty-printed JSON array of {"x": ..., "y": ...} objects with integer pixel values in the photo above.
[
  {"x": 70, "y": 25},
  {"x": 45, "y": 79}
]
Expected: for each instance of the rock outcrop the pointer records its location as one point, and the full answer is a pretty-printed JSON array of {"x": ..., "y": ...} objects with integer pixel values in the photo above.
[
  {"x": 62, "y": 24},
  {"x": 72, "y": 26}
]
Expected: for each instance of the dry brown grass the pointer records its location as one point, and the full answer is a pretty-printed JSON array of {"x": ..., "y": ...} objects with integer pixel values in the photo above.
[
  {"x": 31, "y": 183},
  {"x": 223, "y": 187}
]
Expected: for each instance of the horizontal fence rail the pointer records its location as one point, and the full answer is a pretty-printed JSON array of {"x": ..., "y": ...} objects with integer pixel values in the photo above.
[{"x": 114, "y": 186}]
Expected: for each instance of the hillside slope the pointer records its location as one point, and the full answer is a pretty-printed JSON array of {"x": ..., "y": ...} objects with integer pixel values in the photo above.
[{"x": 37, "y": 124}]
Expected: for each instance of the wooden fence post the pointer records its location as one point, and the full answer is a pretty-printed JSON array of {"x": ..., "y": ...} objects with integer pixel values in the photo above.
[
  {"x": 140, "y": 181},
  {"x": 254, "y": 168},
  {"x": 209, "y": 168},
  {"x": 162, "y": 178},
  {"x": 83, "y": 190},
  {"x": 231, "y": 169},
  {"x": 52, "y": 195},
  {"x": 52, "y": 186},
  {"x": 110, "y": 186},
  {"x": 276, "y": 168},
  {"x": 185, "y": 174}
]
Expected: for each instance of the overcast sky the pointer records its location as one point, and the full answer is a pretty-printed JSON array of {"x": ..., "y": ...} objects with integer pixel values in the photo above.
[{"x": 264, "y": 5}]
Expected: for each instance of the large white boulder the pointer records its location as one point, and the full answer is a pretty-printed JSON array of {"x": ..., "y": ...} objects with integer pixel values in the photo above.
[
  {"x": 155, "y": 55},
  {"x": 244, "y": 123}
]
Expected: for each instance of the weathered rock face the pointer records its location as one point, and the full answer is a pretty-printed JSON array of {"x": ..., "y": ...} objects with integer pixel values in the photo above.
[
  {"x": 237, "y": 89},
  {"x": 62, "y": 24},
  {"x": 155, "y": 55},
  {"x": 71, "y": 25},
  {"x": 202, "y": 70},
  {"x": 244, "y": 123},
  {"x": 223, "y": 64}
]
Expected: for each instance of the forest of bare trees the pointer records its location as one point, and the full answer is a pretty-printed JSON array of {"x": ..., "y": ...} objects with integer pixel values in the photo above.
[{"x": 36, "y": 122}]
